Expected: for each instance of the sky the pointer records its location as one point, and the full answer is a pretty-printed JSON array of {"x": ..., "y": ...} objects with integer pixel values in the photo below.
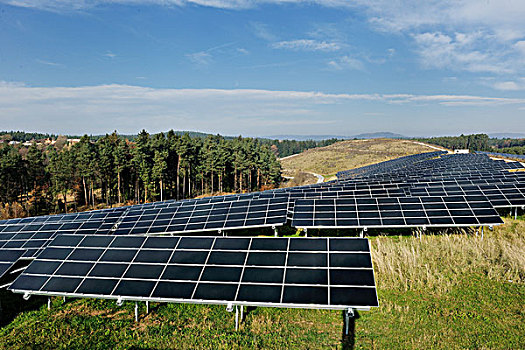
[{"x": 263, "y": 67}]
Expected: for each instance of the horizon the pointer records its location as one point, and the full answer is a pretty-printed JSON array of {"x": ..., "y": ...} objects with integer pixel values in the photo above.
[
  {"x": 290, "y": 137},
  {"x": 256, "y": 67}
]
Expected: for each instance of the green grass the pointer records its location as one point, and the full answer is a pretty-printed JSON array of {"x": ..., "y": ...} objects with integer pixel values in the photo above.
[{"x": 440, "y": 292}]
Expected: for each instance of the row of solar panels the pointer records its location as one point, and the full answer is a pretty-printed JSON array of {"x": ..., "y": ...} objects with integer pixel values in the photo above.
[
  {"x": 389, "y": 165},
  {"x": 504, "y": 155},
  {"x": 331, "y": 273}
]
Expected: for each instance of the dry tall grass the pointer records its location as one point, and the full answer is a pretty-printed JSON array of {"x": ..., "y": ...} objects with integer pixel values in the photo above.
[
  {"x": 410, "y": 263},
  {"x": 351, "y": 154}
]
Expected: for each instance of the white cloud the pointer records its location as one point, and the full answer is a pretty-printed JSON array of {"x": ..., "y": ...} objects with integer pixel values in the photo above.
[
  {"x": 520, "y": 47},
  {"x": 262, "y": 31},
  {"x": 49, "y": 63},
  {"x": 201, "y": 58},
  {"x": 511, "y": 85},
  {"x": 307, "y": 45},
  {"x": 110, "y": 54},
  {"x": 463, "y": 51},
  {"x": 97, "y": 109},
  {"x": 54, "y": 5},
  {"x": 346, "y": 62}
]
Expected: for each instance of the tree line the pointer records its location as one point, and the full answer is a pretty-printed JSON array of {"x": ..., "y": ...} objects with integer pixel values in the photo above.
[
  {"x": 474, "y": 142},
  {"x": 286, "y": 148},
  {"x": 43, "y": 179},
  {"x": 282, "y": 148}
]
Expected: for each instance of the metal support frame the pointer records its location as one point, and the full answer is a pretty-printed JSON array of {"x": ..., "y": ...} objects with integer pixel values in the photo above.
[
  {"x": 516, "y": 213},
  {"x": 482, "y": 227},
  {"x": 306, "y": 232},
  {"x": 349, "y": 313},
  {"x": 147, "y": 307},
  {"x": 136, "y": 311},
  {"x": 275, "y": 233},
  {"x": 236, "y": 317},
  {"x": 362, "y": 233},
  {"x": 49, "y": 303}
]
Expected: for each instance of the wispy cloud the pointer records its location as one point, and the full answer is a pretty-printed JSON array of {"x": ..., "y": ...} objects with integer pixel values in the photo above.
[
  {"x": 463, "y": 51},
  {"x": 109, "y": 54},
  {"x": 307, "y": 45},
  {"x": 345, "y": 62},
  {"x": 510, "y": 85},
  {"x": 262, "y": 31},
  {"x": 49, "y": 63},
  {"x": 201, "y": 58},
  {"x": 52, "y": 5},
  {"x": 97, "y": 109}
]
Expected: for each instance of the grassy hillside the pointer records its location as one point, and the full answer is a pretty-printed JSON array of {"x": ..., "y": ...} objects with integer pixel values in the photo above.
[
  {"x": 440, "y": 292},
  {"x": 350, "y": 154}
]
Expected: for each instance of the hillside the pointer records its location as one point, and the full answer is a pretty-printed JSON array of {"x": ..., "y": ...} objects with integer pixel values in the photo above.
[{"x": 350, "y": 154}]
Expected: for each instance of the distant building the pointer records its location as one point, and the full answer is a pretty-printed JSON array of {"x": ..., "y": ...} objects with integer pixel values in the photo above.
[
  {"x": 461, "y": 151},
  {"x": 14, "y": 142},
  {"x": 73, "y": 141}
]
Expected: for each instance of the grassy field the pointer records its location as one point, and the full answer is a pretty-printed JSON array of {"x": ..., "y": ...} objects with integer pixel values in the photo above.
[
  {"x": 440, "y": 292},
  {"x": 350, "y": 154}
]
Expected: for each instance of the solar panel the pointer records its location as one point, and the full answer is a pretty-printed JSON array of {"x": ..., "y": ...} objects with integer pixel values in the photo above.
[
  {"x": 453, "y": 211},
  {"x": 194, "y": 216},
  {"x": 8, "y": 258},
  {"x": 331, "y": 273},
  {"x": 499, "y": 195}
]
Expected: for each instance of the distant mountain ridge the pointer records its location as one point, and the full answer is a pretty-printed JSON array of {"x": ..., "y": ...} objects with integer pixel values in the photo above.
[
  {"x": 372, "y": 135},
  {"x": 379, "y": 135}
]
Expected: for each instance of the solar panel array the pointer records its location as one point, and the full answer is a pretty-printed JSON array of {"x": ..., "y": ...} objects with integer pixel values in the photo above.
[
  {"x": 331, "y": 273},
  {"x": 504, "y": 155},
  {"x": 431, "y": 174},
  {"x": 130, "y": 253}
]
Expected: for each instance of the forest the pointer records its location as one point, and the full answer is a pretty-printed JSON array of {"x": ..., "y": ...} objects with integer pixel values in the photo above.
[
  {"x": 474, "y": 142},
  {"x": 282, "y": 148},
  {"x": 479, "y": 142},
  {"x": 42, "y": 179}
]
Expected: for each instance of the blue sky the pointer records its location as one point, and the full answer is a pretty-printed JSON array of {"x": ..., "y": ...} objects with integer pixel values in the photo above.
[{"x": 267, "y": 67}]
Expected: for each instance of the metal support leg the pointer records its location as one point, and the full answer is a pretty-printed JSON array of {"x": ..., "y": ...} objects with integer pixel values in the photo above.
[
  {"x": 482, "y": 227},
  {"x": 49, "y": 303},
  {"x": 236, "y": 318},
  {"x": 64, "y": 299},
  {"x": 306, "y": 232},
  {"x": 349, "y": 313},
  {"x": 147, "y": 307},
  {"x": 275, "y": 233},
  {"x": 516, "y": 213},
  {"x": 136, "y": 311},
  {"x": 242, "y": 312}
]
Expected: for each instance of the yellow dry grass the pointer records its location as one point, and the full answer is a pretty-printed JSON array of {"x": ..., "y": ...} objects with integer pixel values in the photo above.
[
  {"x": 350, "y": 154},
  {"x": 438, "y": 262}
]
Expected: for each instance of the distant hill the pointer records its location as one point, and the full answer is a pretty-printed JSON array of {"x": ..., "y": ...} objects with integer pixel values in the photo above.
[
  {"x": 379, "y": 135},
  {"x": 372, "y": 135},
  {"x": 349, "y": 154},
  {"x": 306, "y": 137},
  {"x": 507, "y": 135}
]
